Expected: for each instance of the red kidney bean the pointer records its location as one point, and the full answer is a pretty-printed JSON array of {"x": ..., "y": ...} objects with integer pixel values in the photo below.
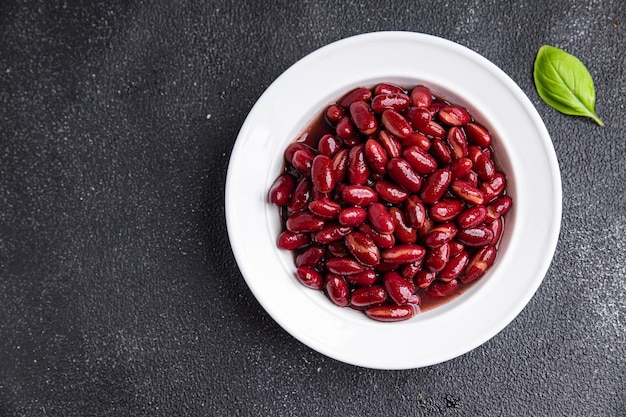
[
  {"x": 396, "y": 124},
  {"x": 334, "y": 113},
  {"x": 446, "y": 210},
  {"x": 454, "y": 267},
  {"x": 363, "y": 117},
  {"x": 310, "y": 277},
  {"x": 357, "y": 94},
  {"x": 457, "y": 143},
  {"x": 362, "y": 247},
  {"x": 497, "y": 227},
  {"x": 403, "y": 174},
  {"x": 383, "y": 241},
  {"x": 478, "y": 236},
  {"x": 352, "y": 216},
  {"x": 340, "y": 165},
  {"x": 391, "y": 313},
  {"x": 346, "y": 131},
  {"x": 436, "y": 105},
  {"x": 422, "y": 162},
  {"x": 473, "y": 152},
  {"x": 441, "y": 289},
  {"x": 456, "y": 247},
  {"x": 417, "y": 139},
  {"x": 498, "y": 207},
  {"x": 424, "y": 278},
  {"x": 478, "y": 135},
  {"x": 390, "y": 192},
  {"x": 472, "y": 178},
  {"x": 388, "y": 88},
  {"x": 403, "y": 232},
  {"x": 281, "y": 189},
  {"x": 364, "y": 278},
  {"x": 376, "y": 156},
  {"x": 394, "y": 101},
  {"x": 303, "y": 222},
  {"x": 292, "y": 148},
  {"x": 437, "y": 257},
  {"x": 460, "y": 167},
  {"x": 433, "y": 129},
  {"x": 290, "y": 241},
  {"x": 302, "y": 160},
  {"x": 409, "y": 271},
  {"x": 484, "y": 167},
  {"x": 435, "y": 185},
  {"x": 337, "y": 290},
  {"x": 322, "y": 173},
  {"x": 440, "y": 234},
  {"x": 415, "y": 211},
  {"x": 310, "y": 256},
  {"x": 325, "y": 208},
  {"x": 337, "y": 249},
  {"x": 478, "y": 264},
  {"x": 494, "y": 187},
  {"x": 454, "y": 115},
  {"x": 400, "y": 290},
  {"x": 426, "y": 227},
  {"x": 421, "y": 96},
  {"x": 467, "y": 192},
  {"x": 329, "y": 233},
  {"x": 404, "y": 253},
  {"x": 440, "y": 151},
  {"x": 364, "y": 297},
  {"x": 391, "y": 145},
  {"x": 328, "y": 145},
  {"x": 380, "y": 219},
  {"x": 358, "y": 170},
  {"x": 358, "y": 195},
  {"x": 472, "y": 217},
  {"x": 344, "y": 266},
  {"x": 419, "y": 117}
]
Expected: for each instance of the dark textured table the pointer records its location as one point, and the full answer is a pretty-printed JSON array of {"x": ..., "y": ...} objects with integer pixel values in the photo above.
[{"x": 119, "y": 293}]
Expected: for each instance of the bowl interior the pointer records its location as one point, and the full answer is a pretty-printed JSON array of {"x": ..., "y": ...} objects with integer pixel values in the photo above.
[{"x": 481, "y": 115}]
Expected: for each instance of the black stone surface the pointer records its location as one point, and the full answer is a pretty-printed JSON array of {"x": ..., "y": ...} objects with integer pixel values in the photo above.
[{"x": 119, "y": 293}]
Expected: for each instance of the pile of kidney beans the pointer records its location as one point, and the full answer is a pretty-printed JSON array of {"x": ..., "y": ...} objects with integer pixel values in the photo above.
[{"x": 391, "y": 197}]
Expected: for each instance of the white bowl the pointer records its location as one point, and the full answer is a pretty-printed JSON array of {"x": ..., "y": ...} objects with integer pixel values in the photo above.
[{"x": 524, "y": 150}]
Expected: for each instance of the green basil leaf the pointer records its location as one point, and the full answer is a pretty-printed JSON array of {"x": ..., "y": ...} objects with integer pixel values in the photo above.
[{"x": 564, "y": 83}]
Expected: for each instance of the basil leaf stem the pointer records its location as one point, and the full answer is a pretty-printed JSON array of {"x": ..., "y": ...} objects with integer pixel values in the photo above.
[{"x": 564, "y": 83}]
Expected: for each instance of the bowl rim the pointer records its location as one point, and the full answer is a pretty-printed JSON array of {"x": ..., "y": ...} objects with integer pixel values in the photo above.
[{"x": 377, "y": 41}]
